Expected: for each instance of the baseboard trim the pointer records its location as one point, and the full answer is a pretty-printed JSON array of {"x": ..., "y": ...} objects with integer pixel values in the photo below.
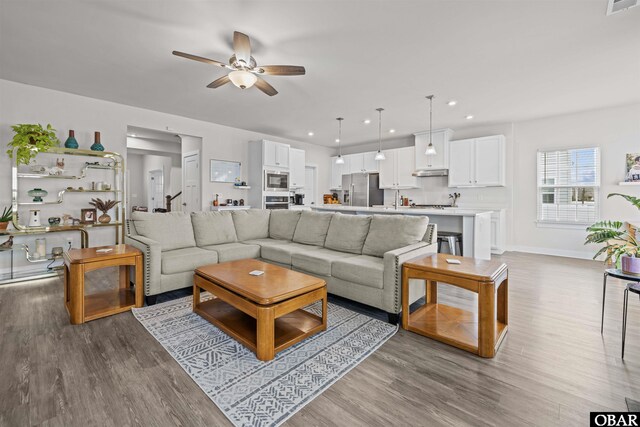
[{"x": 552, "y": 252}]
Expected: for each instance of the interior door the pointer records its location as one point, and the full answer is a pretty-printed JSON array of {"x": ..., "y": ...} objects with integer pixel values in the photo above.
[
  {"x": 156, "y": 189},
  {"x": 461, "y": 163},
  {"x": 309, "y": 185},
  {"x": 191, "y": 182}
]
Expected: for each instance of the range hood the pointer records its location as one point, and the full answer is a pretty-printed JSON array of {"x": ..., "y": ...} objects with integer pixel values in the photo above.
[{"x": 421, "y": 173}]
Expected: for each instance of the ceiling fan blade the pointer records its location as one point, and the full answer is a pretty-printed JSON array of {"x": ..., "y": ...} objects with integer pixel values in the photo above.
[
  {"x": 219, "y": 82},
  {"x": 199, "y": 58},
  {"x": 265, "y": 87},
  {"x": 282, "y": 70},
  {"x": 242, "y": 47}
]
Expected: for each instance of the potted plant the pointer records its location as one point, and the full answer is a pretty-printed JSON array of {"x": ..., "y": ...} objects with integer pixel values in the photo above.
[
  {"x": 104, "y": 207},
  {"x": 29, "y": 140},
  {"x": 7, "y": 216},
  {"x": 620, "y": 241}
]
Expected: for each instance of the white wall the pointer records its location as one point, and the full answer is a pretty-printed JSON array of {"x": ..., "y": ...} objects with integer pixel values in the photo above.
[
  {"x": 21, "y": 103},
  {"x": 137, "y": 190}
]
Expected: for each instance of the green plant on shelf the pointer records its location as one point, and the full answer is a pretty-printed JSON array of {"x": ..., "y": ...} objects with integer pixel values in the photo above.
[
  {"x": 31, "y": 139},
  {"x": 7, "y": 214}
]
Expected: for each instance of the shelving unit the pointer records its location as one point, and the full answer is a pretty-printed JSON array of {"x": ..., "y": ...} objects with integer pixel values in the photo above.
[
  {"x": 629, "y": 183},
  {"x": 115, "y": 163}
]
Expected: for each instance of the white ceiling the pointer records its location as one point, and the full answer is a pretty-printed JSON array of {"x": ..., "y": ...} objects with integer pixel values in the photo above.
[{"x": 501, "y": 60}]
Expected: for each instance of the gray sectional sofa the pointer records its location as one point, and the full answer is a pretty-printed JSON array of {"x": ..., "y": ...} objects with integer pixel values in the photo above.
[{"x": 360, "y": 257}]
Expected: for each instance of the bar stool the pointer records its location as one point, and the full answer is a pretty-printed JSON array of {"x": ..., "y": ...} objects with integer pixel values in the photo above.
[
  {"x": 631, "y": 287},
  {"x": 453, "y": 239}
]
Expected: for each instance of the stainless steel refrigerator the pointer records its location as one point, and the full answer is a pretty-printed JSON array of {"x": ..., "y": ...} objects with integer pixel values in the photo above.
[{"x": 362, "y": 189}]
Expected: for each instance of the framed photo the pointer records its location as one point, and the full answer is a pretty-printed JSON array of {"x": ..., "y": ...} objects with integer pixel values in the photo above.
[
  {"x": 224, "y": 171},
  {"x": 87, "y": 216},
  {"x": 633, "y": 167}
]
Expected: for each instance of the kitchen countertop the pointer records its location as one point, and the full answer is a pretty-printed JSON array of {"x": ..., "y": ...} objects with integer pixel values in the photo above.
[{"x": 405, "y": 210}]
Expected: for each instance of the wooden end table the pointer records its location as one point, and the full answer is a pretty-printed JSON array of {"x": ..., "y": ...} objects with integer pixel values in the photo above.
[
  {"x": 480, "y": 333},
  {"x": 264, "y": 313},
  {"x": 83, "y": 308}
]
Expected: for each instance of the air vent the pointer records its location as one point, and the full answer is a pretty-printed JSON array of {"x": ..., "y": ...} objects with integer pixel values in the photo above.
[{"x": 616, "y": 6}]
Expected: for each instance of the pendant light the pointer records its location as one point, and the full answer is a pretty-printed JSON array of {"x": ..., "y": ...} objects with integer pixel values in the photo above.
[
  {"x": 380, "y": 154},
  {"x": 431, "y": 150},
  {"x": 339, "y": 160}
]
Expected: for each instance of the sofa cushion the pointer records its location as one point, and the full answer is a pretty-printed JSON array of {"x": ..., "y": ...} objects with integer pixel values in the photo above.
[
  {"x": 266, "y": 242},
  {"x": 347, "y": 233},
  {"x": 282, "y": 224},
  {"x": 251, "y": 223},
  {"x": 317, "y": 261},
  {"x": 362, "y": 269},
  {"x": 233, "y": 251},
  {"x": 312, "y": 228},
  {"x": 389, "y": 232},
  {"x": 213, "y": 228},
  {"x": 186, "y": 259},
  {"x": 171, "y": 230},
  {"x": 282, "y": 253}
]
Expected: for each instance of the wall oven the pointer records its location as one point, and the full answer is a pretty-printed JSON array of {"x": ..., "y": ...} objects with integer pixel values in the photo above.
[
  {"x": 276, "y": 202},
  {"x": 276, "y": 180}
]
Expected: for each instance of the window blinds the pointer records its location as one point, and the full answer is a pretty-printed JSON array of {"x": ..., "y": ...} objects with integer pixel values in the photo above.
[{"x": 568, "y": 185}]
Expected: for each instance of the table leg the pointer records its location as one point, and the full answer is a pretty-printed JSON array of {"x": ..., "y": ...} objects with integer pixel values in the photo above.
[
  {"x": 604, "y": 294},
  {"x": 324, "y": 311},
  {"x": 486, "y": 319},
  {"x": 503, "y": 302},
  {"x": 265, "y": 323},
  {"x": 76, "y": 297},
  {"x": 431, "y": 292},
  {"x": 124, "y": 276},
  {"x": 139, "y": 282},
  {"x": 196, "y": 296},
  {"x": 405, "y": 297}
]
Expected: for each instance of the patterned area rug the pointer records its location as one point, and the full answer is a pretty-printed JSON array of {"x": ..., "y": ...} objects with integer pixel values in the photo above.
[{"x": 254, "y": 393}]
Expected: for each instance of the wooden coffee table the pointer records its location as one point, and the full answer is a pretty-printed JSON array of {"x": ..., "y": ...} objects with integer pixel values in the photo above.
[
  {"x": 479, "y": 333},
  {"x": 264, "y": 313}
]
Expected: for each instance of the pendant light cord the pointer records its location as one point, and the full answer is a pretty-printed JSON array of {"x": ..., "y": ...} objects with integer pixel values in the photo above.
[
  {"x": 339, "y": 119},
  {"x": 430, "y": 97},
  {"x": 380, "y": 110}
]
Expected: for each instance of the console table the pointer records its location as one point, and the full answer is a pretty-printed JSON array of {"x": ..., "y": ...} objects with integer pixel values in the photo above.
[{"x": 480, "y": 333}]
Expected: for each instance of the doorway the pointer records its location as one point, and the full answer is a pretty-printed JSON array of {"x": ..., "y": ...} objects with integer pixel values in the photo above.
[
  {"x": 310, "y": 184},
  {"x": 191, "y": 182}
]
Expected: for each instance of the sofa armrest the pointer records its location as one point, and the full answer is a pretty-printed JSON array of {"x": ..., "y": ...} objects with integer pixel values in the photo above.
[
  {"x": 431, "y": 236},
  {"x": 152, "y": 259},
  {"x": 392, "y": 280}
]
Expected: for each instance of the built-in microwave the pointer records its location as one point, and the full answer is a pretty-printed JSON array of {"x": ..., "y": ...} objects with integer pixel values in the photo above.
[{"x": 276, "y": 180}]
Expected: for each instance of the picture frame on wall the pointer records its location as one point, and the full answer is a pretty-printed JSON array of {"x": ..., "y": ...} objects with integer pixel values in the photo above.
[
  {"x": 632, "y": 167},
  {"x": 224, "y": 171},
  {"x": 88, "y": 216}
]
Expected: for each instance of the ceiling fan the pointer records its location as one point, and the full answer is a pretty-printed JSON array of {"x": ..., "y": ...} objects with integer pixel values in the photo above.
[{"x": 245, "y": 71}]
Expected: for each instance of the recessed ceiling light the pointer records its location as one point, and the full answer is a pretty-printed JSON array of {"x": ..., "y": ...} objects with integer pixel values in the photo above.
[
  {"x": 392, "y": 131},
  {"x": 452, "y": 103},
  {"x": 337, "y": 140},
  {"x": 310, "y": 133},
  {"x": 366, "y": 121},
  {"x": 469, "y": 117}
]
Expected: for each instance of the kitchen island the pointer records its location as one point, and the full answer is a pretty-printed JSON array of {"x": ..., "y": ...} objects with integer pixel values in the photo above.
[{"x": 475, "y": 224}]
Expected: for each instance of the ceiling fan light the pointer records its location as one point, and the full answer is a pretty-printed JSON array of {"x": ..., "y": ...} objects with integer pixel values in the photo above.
[
  {"x": 431, "y": 150},
  {"x": 340, "y": 160},
  {"x": 380, "y": 156},
  {"x": 242, "y": 79}
]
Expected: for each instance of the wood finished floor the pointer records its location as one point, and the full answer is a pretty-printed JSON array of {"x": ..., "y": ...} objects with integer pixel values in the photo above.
[{"x": 552, "y": 369}]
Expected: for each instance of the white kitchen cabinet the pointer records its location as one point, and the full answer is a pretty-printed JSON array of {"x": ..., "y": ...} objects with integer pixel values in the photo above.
[
  {"x": 296, "y": 169},
  {"x": 337, "y": 171},
  {"x": 369, "y": 161},
  {"x": 362, "y": 162},
  {"x": 275, "y": 154},
  {"x": 498, "y": 231},
  {"x": 396, "y": 170},
  {"x": 477, "y": 162},
  {"x": 440, "y": 139}
]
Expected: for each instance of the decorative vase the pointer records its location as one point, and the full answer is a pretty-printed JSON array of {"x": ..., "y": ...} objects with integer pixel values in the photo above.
[
  {"x": 630, "y": 265},
  {"x": 104, "y": 218},
  {"x": 97, "y": 146},
  {"x": 37, "y": 194},
  {"x": 71, "y": 141}
]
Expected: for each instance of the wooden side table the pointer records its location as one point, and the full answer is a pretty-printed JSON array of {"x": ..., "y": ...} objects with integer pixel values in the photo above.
[
  {"x": 480, "y": 333},
  {"x": 83, "y": 308}
]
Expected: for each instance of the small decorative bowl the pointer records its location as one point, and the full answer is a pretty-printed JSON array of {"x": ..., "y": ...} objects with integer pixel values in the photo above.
[{"x": 54, "y": 220}]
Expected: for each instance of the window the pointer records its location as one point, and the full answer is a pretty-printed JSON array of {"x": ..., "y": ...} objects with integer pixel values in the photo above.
[{"x": 568, "y": 186}]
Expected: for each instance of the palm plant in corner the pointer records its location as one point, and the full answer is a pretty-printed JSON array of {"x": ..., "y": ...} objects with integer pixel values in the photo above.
[
  {"x": 103, "y": 206},
  {"x": 620, "y": 240}
]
